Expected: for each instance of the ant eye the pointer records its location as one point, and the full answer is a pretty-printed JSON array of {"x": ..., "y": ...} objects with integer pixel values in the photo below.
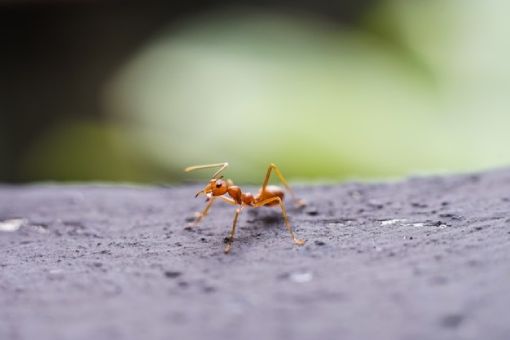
[{"x": 219, "y": 184}]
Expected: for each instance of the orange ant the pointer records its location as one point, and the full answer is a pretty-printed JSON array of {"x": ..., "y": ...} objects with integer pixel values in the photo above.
[{"x": 268, "y": 195}]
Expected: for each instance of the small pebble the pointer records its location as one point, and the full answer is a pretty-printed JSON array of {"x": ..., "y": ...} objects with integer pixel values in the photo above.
[
  {"x": 208, "y": 289},
  {"x": 301, "y": 277},
  {"x": 172, "y": 274},
  {"x": 375, "y": 204},
  {"x": 183, "y": 284},
  {"x": 56, "y": 274},
  {"x": 452, "y": 321},
  {"x": 312, "y": 211}
]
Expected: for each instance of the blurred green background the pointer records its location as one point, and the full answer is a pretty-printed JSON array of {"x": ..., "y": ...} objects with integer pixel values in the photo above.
[{"x": 137, "y": 90}]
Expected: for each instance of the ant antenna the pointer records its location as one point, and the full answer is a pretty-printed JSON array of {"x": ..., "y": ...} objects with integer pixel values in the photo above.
[{"x": 207, "y": 166}]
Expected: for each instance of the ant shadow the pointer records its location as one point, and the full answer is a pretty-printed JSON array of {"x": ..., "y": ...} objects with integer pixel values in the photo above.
[
  {"x": 260, "y": 225},
  {"x": 266, "y": 218}
]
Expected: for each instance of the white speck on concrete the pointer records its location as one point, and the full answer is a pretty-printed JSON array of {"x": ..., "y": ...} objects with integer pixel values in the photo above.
[
  {"x": 11, "y": 225},
  {"x": 391, "y": 222},
  {"x": 301, "y": 277}
]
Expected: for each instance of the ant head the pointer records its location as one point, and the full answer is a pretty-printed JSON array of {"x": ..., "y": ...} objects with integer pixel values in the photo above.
[{"x": 215, "y": 187}]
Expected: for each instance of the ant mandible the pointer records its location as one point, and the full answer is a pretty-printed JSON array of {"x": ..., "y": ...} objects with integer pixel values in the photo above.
[{"x": 268, "y": 195}]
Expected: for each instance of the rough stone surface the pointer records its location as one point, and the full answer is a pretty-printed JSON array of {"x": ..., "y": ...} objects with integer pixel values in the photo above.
[{"x": 424, "y": 258}]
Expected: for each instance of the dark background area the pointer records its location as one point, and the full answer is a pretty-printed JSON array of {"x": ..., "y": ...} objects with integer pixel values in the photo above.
[{"x": 56, "y": 56}]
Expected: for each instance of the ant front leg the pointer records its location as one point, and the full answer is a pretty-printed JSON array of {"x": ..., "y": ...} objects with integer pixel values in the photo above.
[
  {"x": 200, "y": 215},
  {"x": 230, "y": 239},
  {"x": 298, "y": 202}
]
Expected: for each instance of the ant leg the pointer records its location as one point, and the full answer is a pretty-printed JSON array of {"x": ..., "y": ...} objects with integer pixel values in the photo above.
[
  {"x": 228, "y": 200},
  {"x": 284, "y": 213},
  {"x": 230, "y": 239},
  {"x": 297, "y": 201},
  {"x": 202, "y": 214}
]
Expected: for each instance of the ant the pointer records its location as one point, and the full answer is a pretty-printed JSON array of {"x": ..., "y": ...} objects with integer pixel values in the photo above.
[{"x": 268, "y": 195}]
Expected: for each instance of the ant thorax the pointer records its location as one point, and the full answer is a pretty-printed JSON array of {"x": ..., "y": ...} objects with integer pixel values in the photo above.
[{"x": 239, "y": 197}]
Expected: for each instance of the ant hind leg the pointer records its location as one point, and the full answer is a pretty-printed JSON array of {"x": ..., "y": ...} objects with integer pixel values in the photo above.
[
  {"x": 298, "y": 202},
  {"x": 285, "y": 218}
]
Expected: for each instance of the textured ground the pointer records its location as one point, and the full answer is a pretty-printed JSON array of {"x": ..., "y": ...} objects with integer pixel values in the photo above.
[{"x": 425, "y": 258}]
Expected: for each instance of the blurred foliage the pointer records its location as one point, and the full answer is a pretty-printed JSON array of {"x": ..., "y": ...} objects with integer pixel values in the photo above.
[
  {"x": 420, "y": 86},
  {"x": 88, "y": 151}
]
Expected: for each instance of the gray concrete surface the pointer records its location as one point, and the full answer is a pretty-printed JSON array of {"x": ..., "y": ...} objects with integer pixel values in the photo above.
[{"x": 424, "y": 258}]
